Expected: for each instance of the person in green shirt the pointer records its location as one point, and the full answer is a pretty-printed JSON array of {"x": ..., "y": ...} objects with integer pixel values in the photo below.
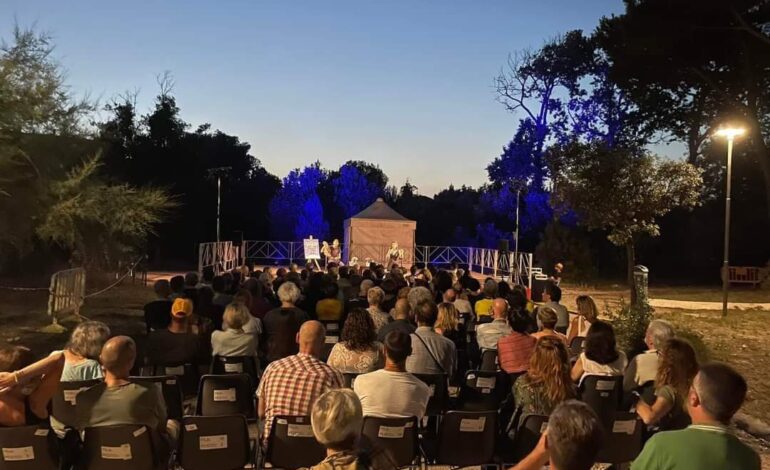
[{"x": 717, "y": 393}]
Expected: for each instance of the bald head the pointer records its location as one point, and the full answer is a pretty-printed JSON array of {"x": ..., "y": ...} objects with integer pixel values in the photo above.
[
  {"x": 311, "y": 337},
  {"x": 401, "y": 310},
  {"x": 500, "y": 308},
  {"x": 118, "y": 356}
]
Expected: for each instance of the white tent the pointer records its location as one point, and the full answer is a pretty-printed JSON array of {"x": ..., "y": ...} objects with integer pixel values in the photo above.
[{"x": 369, "y": 233}]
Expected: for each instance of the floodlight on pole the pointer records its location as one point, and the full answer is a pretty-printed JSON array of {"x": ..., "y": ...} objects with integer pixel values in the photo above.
[{"x": 729, "y": 133}]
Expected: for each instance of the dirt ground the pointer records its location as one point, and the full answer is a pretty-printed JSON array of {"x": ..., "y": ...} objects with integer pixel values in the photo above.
[{"x": 741, "y": 339}]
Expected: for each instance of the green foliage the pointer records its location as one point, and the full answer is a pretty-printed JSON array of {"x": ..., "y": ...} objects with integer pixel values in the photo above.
[{"x": 630, "y": 324}]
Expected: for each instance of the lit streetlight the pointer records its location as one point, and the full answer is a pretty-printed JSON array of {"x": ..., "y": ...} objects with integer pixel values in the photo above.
[{"x": 729, "y": 133}]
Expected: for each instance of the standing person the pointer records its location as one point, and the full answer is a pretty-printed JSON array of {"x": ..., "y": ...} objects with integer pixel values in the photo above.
[
  {"x": 601, "y": 356},
  {"x": 643, "y": 367},
  {"x": 552, "y": 297},
  {"x": 431, "y": 352},
  {"x": 282, "y": 324},
  {"x": 547, "y": 381},
  {"x": 716, "y": 395},
  {"x": 587, "y": 314},
  {"x": 358, "y": 351},
  {"x": 487, "y": 334},
  {"x": 22, "y": 403}
]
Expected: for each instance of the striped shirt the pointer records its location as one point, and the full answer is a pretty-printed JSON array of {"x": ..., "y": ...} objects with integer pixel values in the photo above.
[
  {"x": 291, "y": 385},
  {"x": 514, "y": 352}
]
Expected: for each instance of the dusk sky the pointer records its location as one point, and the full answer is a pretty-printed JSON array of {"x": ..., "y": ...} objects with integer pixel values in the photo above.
[{"x": 404, "y": 84}]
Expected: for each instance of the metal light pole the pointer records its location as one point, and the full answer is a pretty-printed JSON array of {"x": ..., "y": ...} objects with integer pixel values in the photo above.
[
  {"x": 219, "y": 202},
  {"x": 729, "y": 134},
  {"x": 218, "y": 173}
]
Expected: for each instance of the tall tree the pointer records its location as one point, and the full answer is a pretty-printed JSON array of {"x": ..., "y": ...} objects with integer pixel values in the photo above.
[
  {"x": 296, "y": 210},
  {"x": 353, "y": 191}
]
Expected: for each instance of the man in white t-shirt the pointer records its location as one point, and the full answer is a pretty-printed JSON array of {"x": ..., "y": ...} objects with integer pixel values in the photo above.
[{"x": 392, "y": 391}]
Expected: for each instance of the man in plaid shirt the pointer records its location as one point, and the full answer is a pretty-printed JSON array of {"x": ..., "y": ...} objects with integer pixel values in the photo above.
[{"x": 291, "y": 385}]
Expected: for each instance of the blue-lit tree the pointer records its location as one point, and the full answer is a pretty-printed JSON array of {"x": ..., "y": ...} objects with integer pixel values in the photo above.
[
  {"x": 353, "y": 191},
  {"x": 296, "y": 210}
]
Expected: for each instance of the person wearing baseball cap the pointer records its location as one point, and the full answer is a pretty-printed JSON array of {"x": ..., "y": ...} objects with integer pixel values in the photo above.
[{"x": 175, "y": 345}]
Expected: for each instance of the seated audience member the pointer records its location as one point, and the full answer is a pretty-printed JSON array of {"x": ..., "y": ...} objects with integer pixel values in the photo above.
[
  {"x": 392, "y": 391},
  {"x": 400, "y": 321},
  {"x": 587, "y": 314},
  {"x": 292, "y": 384},
  {"x": 329, "y": 308},
  {"x": 469, "y": 282},
  {"x": 515, "y": 350},
  {"x": 449, "y": 326},
  {"x": 676, "y": 371},
  {"x": 177, "y": 287},
  {"x": 461, "y": 302},
  {"x": 191, "y": 286},
  {"x": 157, "y": 314},
  {"x": 259, "y": 304},
  {"x": 254, "y": 325},
  {"x": 600, "y": 356},
  {"x": 358, "y": 351},
  {"x": 337, "y": 420},
  {"x": 375, "y": 296},
  {"x": 431, "y": 352},
  {"x": 716, "y": 395},
  {"x": 207, "y": 276},
  {"x": 361, "y": 301},
  {"x": 547, "y": 381},
  {"x": 391, "y": 294},
  {"x": 26, "y": 387},
  {"x": 552, "y": 297},
  {"x": 643, "y": 367},
  {"x": 416, "y": 296},
  {"x": 221, "y": 296},
  {"x": 282, "y": 324},
  {"x": 117, "y": 400},
  {"x": 81, "y": 353},
  {"x": 571, "y": 441},
  {"x": 487, "y": 334},
  {"x": 519, "y": 297},
  {"x": 546, "y": 316},
  {"x": 175, "y": 345},
  {"x": 483, "y": 307},
  {"x": 233, "y": 340}
]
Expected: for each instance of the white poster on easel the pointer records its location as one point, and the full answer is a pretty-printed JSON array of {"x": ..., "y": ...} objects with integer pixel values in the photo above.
[{"x": 312, "y": 250}]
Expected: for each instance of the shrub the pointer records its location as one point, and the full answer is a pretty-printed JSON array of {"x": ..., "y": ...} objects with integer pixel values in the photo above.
[{"x": 630, "y": 324}]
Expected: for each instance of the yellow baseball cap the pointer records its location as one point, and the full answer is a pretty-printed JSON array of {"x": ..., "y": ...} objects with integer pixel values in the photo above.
[{"x": 182, "y": 308}]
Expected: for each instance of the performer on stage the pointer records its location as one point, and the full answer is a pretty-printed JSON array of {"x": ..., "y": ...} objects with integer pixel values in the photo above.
[
  {"x": 335, "y": 252},
  {"x": 395, "y": 255}
]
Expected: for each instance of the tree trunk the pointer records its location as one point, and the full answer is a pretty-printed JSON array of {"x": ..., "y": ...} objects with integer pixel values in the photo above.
[
  {"x": 763, "y": 155},
  {"x": 631, "y": 261}
]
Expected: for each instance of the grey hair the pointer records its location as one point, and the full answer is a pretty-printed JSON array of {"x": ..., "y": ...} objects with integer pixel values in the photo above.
[
  {"x": 88, "y": 338},
  {"x": 660, "y": 331},
  {"x": 417, "y": 295},
  {"x": 337, "y": 418},
  {"x": 236, "y": 315},
  {"x": 375, "y": 296},
  {"x": 366, "y": 284},
  {"x": 288, "y": 292}
]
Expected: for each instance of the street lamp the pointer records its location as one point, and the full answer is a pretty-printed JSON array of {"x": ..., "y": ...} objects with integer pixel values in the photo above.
[{"x": 730, "y": 133}]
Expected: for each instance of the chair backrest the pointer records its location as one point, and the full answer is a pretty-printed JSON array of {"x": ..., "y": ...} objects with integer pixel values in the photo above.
[
  {"x": 171, "y": 388},
  {"x": 291, "y": 443},
  {"x": 329, "y": 341},
  {"x": 28, "y": 448},
  {"x": 489, "y": 360},
  {"x": 157, "y": 315},
  {"x": 120, "y": 447},
  {"x": 221, "y": 365},
  {"x": 438, "y": 402},
  {"x": 229, "y": 394},
  {"x": 622, "y": 440},
  {"x": 603, "y": 394},
  {"x": 333, "y": 327},
  {"x": 482, "y": 390},
  {"x": 208, "y": 442},
  {"x": 187, "y": 374},
  {"x": 577, "y": 345},
  {"x": 396, "y": 436},
  {"x": 349, "y": 378},
  {"x": 528, "y": 434},
  {"x": 467, "y": 438},
  {"x": 65, "y": 399}
]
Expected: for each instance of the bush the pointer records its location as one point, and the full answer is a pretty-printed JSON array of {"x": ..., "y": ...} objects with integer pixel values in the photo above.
[{"x": 630, "y": 324}]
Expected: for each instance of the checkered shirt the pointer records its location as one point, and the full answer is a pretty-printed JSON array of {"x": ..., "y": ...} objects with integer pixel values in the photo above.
[{"x": 291, "y": 385}]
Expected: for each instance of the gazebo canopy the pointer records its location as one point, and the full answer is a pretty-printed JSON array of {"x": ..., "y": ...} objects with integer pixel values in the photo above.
[
  {"x": 369, "y": 233},
  {"x": 379, "y": 210}
]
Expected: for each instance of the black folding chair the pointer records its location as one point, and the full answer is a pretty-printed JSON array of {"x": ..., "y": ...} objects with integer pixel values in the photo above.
[
  {"x": 489, "y": 360},
  {"x": 333, "y": 327},
  {"x": 467, "y": 438},
  {"x": 220, "y": 442},
  {"x": 527, "y": 435},
  {"x": 622, "y": 440},
  {"x": 157, "y": 315},
  {"x": 603, "y": 394},
  {"x": 328, "y": 345},
  {"x": 121, "y": 447},
  {"x": 291, "y": 443},
  {"x": 438, "y": 402},
  {"x": 577, "y": 345},
  {"x": 171, "y": 388},
  {"x": 65, "y": 399},
  {"x": 221, "y": 365},
  {"x": 222, "y": 395},
  {"x": 187, "y": 374},
  {"x": 350, "y": 378},
  {"x": 28, "y": 448},
  {"x": 396, "y": 436},
  {"x": 482, "y": 391}
]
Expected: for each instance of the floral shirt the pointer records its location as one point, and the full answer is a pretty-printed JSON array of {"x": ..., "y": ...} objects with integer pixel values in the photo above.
[{"x": 357, "y": 362}]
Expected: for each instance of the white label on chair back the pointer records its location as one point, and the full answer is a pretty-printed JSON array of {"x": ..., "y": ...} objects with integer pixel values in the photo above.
[
  {"x": 486, "y": 382},
  {"x": 224, "y": 395},
  {"x": 218, "y": 441},
  {"x": 432, "y": 391},
  {"x": 234, "y": 367},
  {"x": 300, "y": 430},
  {"x": 178, "y": 370},
  {"x": 390, "y": 432},
  {"x": 41, "y": 432},
  {"x": 332, "y": 327},
  {"x": 332, "y": 339},
  {"x": 122, "y": 452},
  {"x": 171, "y": 382},
  {"x": 605, "y": 385},
  {"x": 71, "y": 395},
  {"x": 139, "y": 431},
  {"x": 472, "y": 425},
  {"x": 626, "y": 426},
  {"x": 191, "y": 427},
  {"x": 16, "y": 454}
]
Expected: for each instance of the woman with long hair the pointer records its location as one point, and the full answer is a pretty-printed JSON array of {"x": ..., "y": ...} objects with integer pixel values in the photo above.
[
  {"x": 588, "y": 313},
  {"x": 677, "y": 367},
  {"x": 601, "y": 356},
  {"x": 547, "y": 381},
  {"x": 448, "y": 324},
  {"x": 358, "y": 351}
]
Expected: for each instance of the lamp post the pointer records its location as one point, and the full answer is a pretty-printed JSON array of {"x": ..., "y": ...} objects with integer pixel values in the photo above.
[
  {"x": 730, "y": 133},
  {"x": 218, "y": 173}
]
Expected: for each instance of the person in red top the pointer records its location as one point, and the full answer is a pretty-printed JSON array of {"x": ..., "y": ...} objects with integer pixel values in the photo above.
[{"x": 515, "y": 349}]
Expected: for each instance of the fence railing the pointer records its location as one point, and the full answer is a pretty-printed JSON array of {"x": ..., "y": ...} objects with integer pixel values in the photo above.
[
  {"x": 221, "y": 256},
  {"x": 67, "y": 293}
]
